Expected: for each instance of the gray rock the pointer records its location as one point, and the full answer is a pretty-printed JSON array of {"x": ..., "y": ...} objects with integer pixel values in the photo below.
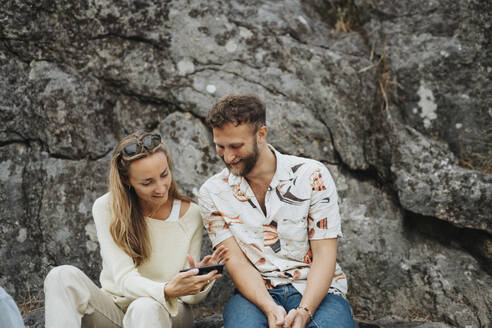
[
  {"x": 17, "y": 233},
  {"x": 34, "y": 319},
  {"x": 440, "y": 69},
  {"x": 194, "y": 156},
  {"x": 416, "y": 277},
  {"x": 213, "y": 321},
  {"x": 438, "y": 82},
  {"x": 430, "y": 182},
  {"x": 399, "y": 106},
  {"x": 56, "y": 108},
  {"x": 55, "y": 224}
]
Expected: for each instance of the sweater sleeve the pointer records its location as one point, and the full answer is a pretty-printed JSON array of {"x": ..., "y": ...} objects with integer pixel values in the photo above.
[
  {"x": 195, "y": 252},
  {"x": 120, "y": 267}
]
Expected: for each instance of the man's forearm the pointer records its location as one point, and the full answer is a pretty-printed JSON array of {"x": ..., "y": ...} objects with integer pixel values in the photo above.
[
  {"x": 246, "y": 278},
  {"x": 250, "y": 284},
  {"x": 320, "y": 275}
]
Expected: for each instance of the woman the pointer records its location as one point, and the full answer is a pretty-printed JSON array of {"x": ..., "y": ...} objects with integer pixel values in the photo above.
[{"x": 147, "y": 233}]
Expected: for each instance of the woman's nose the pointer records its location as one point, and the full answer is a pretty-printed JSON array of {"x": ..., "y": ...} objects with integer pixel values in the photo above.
[{"x": 162, "y": 185}]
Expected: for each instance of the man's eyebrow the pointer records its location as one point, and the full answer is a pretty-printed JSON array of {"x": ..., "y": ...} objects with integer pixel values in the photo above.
[{"x": 239, "y": 143}]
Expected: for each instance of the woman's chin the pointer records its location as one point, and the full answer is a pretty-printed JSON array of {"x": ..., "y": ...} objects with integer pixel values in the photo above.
[{"x": 159, "y": 200}]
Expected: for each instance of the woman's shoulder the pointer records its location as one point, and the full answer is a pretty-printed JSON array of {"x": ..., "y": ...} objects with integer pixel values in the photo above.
[
  {"x": 193, "y": 208},
  {"x": 192, "y": 214},
  {"x": 101, "y": 207},
  {"x": 102, "y": 201}
]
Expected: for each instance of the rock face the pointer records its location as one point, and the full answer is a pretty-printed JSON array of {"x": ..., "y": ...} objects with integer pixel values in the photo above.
[{"x": 394, "y": 96}]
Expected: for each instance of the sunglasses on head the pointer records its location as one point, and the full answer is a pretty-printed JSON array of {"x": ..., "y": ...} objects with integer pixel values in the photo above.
[{"x": 150, "y": 142}]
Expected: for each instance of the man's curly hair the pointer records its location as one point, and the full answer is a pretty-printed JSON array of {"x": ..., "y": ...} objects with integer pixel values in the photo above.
[{"x": 237, "y": 109}]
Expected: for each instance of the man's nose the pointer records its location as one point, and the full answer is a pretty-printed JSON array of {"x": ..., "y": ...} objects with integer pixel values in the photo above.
[{"x": 229, "y": 156}]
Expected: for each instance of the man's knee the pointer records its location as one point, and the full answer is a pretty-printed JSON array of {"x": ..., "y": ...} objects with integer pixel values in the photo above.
[
  {"x": 334, "y": 311},
  {"x": 239, "y": 312}
]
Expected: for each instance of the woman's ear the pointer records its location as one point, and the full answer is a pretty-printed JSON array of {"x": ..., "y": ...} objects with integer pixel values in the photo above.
[{"x": 126, "y": 182}]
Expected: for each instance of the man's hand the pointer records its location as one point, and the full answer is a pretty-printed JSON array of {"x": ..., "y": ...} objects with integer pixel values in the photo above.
[
  {"x": 219, "y": 256},
  {"x": 275, "y": 316},
  {"x": 297, "y": 318}
]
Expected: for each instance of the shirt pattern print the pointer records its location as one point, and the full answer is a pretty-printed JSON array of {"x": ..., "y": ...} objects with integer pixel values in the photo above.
[{"x": 301, "y": 205}]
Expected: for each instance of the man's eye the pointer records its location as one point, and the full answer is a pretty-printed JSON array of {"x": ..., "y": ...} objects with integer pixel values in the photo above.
[{"x": 146, "y": 183}]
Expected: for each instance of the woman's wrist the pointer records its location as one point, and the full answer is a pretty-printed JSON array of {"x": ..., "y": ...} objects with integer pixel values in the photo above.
[{"x": 168, "y": 291}]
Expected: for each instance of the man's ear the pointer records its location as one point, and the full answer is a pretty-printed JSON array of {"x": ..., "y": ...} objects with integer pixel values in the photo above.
[{"x": 261, "y": 134}]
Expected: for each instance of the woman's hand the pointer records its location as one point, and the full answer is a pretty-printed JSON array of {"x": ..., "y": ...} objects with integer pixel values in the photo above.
[
  {"x": 217, "y": 257},
  {"x": 189, "y": 283}
]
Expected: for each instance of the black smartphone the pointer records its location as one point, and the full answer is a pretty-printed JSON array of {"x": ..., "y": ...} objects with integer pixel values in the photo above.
[{"x": 207, "y": 268}]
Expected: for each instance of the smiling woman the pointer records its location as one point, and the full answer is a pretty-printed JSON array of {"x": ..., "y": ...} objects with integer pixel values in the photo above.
[
  {"x": 147, "y": 231},
  {"x": 150, "y": 177}
]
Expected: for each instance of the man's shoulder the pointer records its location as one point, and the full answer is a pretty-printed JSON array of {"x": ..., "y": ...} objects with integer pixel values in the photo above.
[
  {"x": 215, "y": 182},
  {"x": 311, "y": 171},
  {"x": 299, "y": 164}
]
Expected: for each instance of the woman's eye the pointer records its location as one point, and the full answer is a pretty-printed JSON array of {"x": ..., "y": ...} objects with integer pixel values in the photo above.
[
  {"x": 146, "y": 184},
  {"x": 163, "y": 175}
]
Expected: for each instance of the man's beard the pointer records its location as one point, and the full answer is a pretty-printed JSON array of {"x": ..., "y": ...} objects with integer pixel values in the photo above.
[{"x": 247, "y": 163}]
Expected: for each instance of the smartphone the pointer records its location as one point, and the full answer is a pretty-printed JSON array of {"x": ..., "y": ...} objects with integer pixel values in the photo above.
[{"x": 207, "y": 268}]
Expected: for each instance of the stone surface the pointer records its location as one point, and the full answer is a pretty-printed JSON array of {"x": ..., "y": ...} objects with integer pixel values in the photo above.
[
  {"x": 440, "y": 64},
  {"x": 394, "y": 96},
  {"x": 190, "y": 143},
  {"x": 34, "y": 319},
  {"x": 439, "y": 69},
  {"x": 213, "y": 321},
  {"x": 437, "y": 78},
  {"x": 414, "y": 276},
  {"x": 430, "y": 182}
]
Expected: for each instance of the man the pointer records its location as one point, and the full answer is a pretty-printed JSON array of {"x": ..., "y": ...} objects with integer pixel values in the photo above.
[{"x": 278, "y": 216}]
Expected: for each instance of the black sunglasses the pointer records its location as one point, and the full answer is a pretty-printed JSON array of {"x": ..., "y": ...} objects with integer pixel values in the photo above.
[{"x": 150, "y": 142}]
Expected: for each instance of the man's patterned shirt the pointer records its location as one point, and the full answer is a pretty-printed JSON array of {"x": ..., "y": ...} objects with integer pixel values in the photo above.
[{"x": 301, "y": 205}]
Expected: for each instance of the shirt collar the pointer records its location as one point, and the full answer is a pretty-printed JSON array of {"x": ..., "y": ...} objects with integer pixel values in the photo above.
[{"x": 282, "y": 172}]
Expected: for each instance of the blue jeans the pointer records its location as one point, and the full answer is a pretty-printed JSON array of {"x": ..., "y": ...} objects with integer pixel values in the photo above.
[
  {"x": 333, "y": 311},
  {"x": 10, "y": 316}
]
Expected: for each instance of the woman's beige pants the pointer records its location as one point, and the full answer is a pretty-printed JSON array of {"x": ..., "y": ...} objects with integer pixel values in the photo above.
[{"x": 73, "y": 300}]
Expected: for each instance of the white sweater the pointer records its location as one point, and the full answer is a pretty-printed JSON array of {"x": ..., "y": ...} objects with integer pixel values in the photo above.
[{"x": 170, "y": 242}]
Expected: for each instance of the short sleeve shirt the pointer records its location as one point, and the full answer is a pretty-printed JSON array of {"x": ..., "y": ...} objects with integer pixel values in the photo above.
[{"x": 301, "y": 205}]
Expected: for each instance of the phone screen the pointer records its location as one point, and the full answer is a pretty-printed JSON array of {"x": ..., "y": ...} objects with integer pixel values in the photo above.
[{"x": 207, "y": 268}]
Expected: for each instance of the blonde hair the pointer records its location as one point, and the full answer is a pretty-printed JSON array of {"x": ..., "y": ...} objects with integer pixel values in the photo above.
[{"x": 128, "y": 227}]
